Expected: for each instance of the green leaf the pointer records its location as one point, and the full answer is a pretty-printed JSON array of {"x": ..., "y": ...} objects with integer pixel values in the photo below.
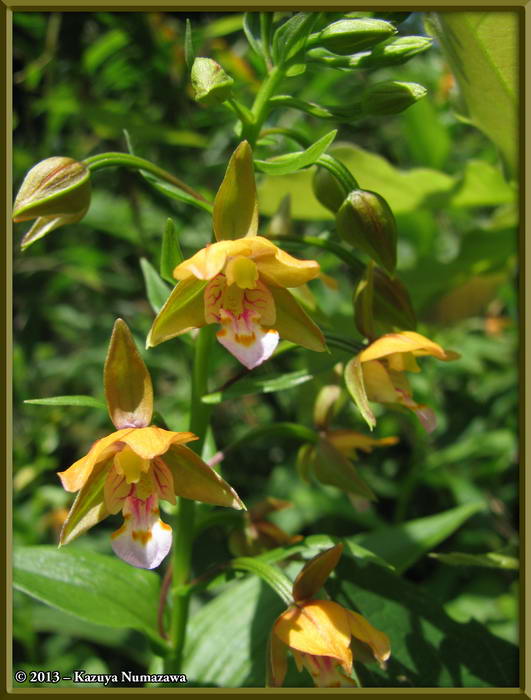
[
  {"x": 78, "y": 400},
  {"x": 291, "y": 162},
  {"x": 482, "y": 49},
  {"x": 428, "y": 648},
  {"x": 493, "y": 560},
  {"x": 481, "y": 185},
  {"x": 106, "y": 46},
  {"x": 157, "y": 290},
  {"x": 260, "y": 385},
  {"x": 402, "y": 545},
  {"x": 171, "y": 253},
  {"x": 406, "y": 191},
  {"x": 291, "y": 37},
  {"x": 227, "y": 637},
  {"x": 251, "y": 28},
  {"x": 94, "y": 587}
]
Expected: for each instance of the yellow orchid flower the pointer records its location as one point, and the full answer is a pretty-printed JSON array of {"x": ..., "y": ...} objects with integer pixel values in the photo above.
[
  {"x": 135, "y": 466},
  {"x": 319, "y": 633},
  {"x": 240, "y": 282},
  {"x": 378, "y": 373}
]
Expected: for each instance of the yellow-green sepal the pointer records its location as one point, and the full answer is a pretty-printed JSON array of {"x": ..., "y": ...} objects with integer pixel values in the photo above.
[
  {"x": 194, "y": 479},
  {"x": 183, "y": 310},
  {"x": 356, "y": 388},
  {"x": 313, "y": 575},
  {"x": 128, "y": 387},
  {"x": 235, "y": 212},
  {"x": 89, "y": 507},
  {"x": 294, "y": 324}
]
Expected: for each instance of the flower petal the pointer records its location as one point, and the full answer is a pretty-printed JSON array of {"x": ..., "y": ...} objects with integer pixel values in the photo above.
[
  {"x": 205, "y": 264},
  {"x": 286, "y": 271},
  {"x": 319, "y": 627},
  {"x": 45, "y": 224},
  {"x": 405, "y": 341},
  {"x": 313, "y": 575},
  {"x": 324, "y": 670},
  {"x": 153, "y": 441},
  {"x": 183, "y": 310},
  {"x": 143, "y": 540},
  {"x": 347, "y": 441},
  {"x": 380, "y": 384},
  {"x": 276, "y": 663},
  {"x": 242, "y": 271},
  {"x": 116, "y": 490},
  {"x": 362, "y": 629},
  {"x": 76, "y": 475},
  {"x": 163, "y": 481},
  {"x": 292, "y": 323},
  {"x": 194, "y": 479}
]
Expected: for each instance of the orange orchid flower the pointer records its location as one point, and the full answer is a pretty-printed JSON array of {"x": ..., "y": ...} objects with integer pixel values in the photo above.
[
  {"x": 377, "y": 373},
  {"x": 319, "y": 633},
  {"x": 240, "y": 282},
  {"x": 135, "y": 466}
]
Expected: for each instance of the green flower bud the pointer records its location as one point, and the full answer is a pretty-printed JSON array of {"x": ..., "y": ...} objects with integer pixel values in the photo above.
[
  {"x": 366, "y": 221},
  {"x": 391, "y": 97},
  {"x": 211, "y": 84},
  {"x": 391, "y": 53},
  {"x": 346, "y": 36},
  {"x": 327, "y": 190},
  {"x": 382, "y": 305},
  {"x": 56, "y": 191}
]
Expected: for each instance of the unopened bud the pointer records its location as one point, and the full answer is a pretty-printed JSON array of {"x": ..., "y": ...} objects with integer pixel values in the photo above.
[
  {"x": 366, "y": 221},
  {"x": 210, "y": 82},
  {"x": 382, "y": 305},
  {"x": 346, "y": 36},
  {"x": 391, "y": 53},
  {"x": 56, "y": 191},
  {"x": 391, "y": 97},
  {"x": 327, "y": 190}
]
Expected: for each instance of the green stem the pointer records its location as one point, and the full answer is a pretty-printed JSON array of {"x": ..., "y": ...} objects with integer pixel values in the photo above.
[
  {"x": 261, "y": 104},
  {"x": 184, "y": 535},
  {"x": 127, "y": 160},
  {"x": 339, "y": 171}
]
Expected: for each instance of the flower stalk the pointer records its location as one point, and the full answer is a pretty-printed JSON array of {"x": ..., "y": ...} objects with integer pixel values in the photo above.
[
  {"x": 184, "y": 521},
  {"x": 127, "y": 160}
]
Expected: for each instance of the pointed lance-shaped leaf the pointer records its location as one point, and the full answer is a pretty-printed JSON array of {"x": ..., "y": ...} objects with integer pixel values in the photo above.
[
  {"x": 312, "y": 577},
  {"x": 128, "y": 387},
  {"x": 235, "y": 206}
]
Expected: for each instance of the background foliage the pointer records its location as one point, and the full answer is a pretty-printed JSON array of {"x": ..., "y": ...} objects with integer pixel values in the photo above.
[{"x": 80, "y": 80}]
